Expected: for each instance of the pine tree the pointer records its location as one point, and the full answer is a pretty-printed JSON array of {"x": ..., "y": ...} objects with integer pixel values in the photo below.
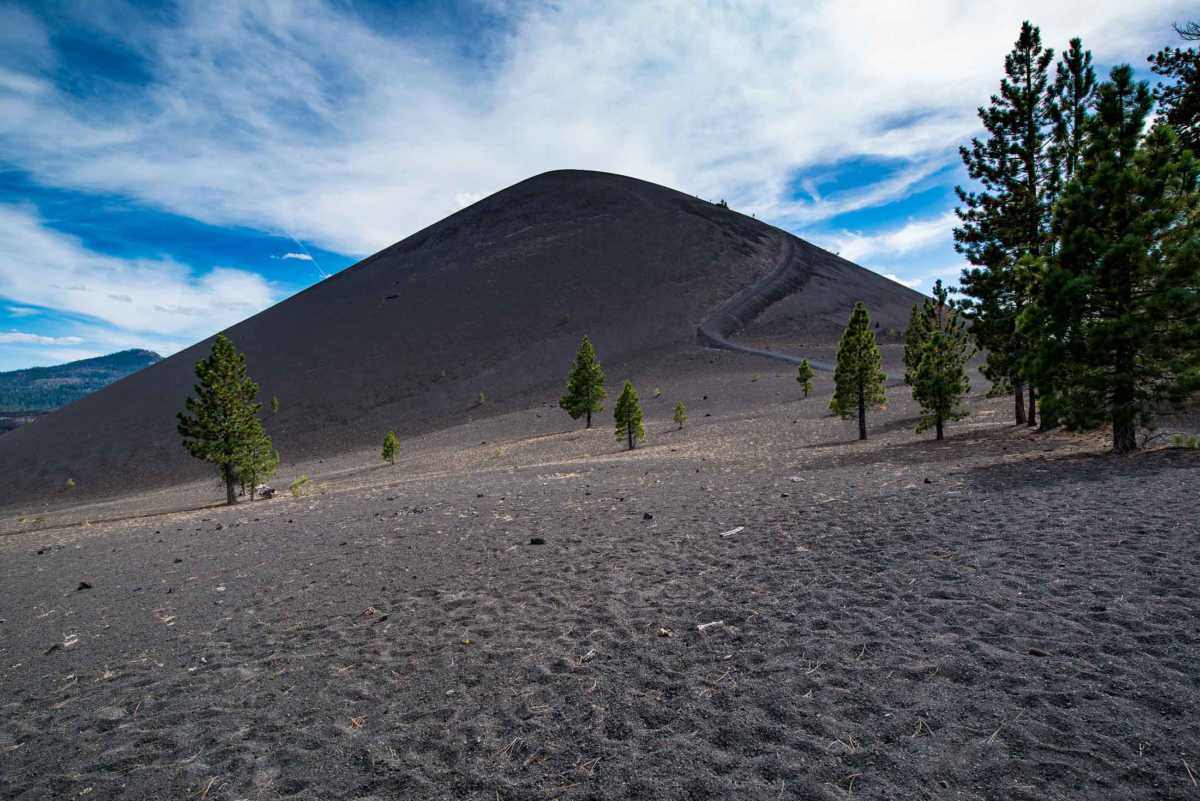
[
  {"x": 1179, "y": 95},
  {"x": 1010, "y": 216},
  {"x": 585, "y": 385},
  {"x": 939, "y": 380},
  {"x": 1070, "y": 100},
  {"x": 391, "y": 446},
  {"x": 274, "y": 405},
  {"x": 221, "y": 422},
  {"x": 629, "y": 417},
  {"x": 914, "y": 340},
  {"x": 858, "y": 378},
  {"x": 804, "y": 375},
  {"x": 680, "y": 416},
  {"x": 256, "y": 459},
  {"x": 1120, "y": 309}
]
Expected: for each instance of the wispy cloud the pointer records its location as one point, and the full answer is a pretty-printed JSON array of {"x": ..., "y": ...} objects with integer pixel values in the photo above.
[
  {"x": 912, "y": 236},
  {"x": 22, "y": 338},
  {"x": 297, "y": 117},
  {"x": 296, "y": 256},
  {"x": 911, "y": 283},
  {"x": 21, "y": 311},
  {"x": 158, "y": 302}
]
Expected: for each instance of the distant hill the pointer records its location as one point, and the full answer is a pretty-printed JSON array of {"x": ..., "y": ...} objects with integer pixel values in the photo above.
[{"x": 42, "y": 389}]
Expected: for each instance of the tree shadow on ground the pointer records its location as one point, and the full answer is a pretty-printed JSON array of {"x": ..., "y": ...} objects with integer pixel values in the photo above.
[{"x": 1073, "y": 468}]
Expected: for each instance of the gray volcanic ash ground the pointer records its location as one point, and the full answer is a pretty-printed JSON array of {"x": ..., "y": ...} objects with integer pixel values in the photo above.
[{"x": 1003, "y": 615}]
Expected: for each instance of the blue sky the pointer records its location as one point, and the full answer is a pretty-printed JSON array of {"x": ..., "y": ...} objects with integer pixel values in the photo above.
[{"x": 167, "y": 169}]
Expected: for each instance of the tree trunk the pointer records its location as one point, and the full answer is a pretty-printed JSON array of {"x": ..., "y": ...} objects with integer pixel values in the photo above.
[
  {"x": 1124, "y": 397},
  {"x": 940, "y": 427},
  {"x": 629, "y": 432},
  {"x": 1019, "y": 400},
  {"x": 589, "y": 418},
  {"x": 1032, "y": 418},
  {"x": 1124, "y": 436},
  {"x": 230, "y": 494},
  {"x": 862, "y": 413}
]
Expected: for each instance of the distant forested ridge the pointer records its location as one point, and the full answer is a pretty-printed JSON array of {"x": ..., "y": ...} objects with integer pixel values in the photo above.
[{"x": 46, "y": 388}]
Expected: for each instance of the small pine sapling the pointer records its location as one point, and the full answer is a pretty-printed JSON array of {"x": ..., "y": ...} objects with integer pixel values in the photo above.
[
  {"x": 680, "y": 416},
  {"x": 628, "y": 414},
  {"x": 391, "y": 446},
  {"x": 804, "y": 376}
]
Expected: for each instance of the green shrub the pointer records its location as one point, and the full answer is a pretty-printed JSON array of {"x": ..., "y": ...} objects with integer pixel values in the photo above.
[{"x": 300, "y": 487}]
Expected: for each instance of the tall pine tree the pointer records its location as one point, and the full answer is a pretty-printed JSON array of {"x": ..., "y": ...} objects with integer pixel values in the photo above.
[
  {"x": 585, "y": 385},
  {"x": 939, "y": 379},
  {"x": 1009, "y": 216},
  {"x": 1120, "y": 308},
  {"x": 858, "y": 378},
  {"x": 628, "y": 414},
  {"x": 220, "y": 425}
]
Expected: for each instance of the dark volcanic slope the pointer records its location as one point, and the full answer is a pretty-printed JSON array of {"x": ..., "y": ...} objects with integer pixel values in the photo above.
[{"x": 490, "y": 300}]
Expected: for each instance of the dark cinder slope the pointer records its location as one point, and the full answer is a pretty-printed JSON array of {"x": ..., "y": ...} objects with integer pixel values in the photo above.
[{"x": 490, "y": 300}]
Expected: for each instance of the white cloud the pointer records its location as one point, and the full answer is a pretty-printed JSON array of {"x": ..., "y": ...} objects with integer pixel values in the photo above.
[
  {"x": 21, "y": 338},
  {"x": 294, "y": 116},
  {"x": 913, "y": 236},
  {"x": 21, "y": 311},
  {"x": 297, "y": 256},
  {"x": 911, "y": 283},
  {"x": 136, "y": 302}
]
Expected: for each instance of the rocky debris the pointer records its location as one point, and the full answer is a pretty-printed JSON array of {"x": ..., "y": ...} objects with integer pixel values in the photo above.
[
  {"x": 83, "y": 585},
  {"x": 536, "y": 541}
]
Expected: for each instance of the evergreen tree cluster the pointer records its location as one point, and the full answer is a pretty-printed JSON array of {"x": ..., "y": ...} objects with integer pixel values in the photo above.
[{"x": 1084, "y": 285}]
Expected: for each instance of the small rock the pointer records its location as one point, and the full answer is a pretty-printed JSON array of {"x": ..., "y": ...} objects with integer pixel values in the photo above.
[
  {"x": 589, "y": 656},
  {"x": 927, "y": 481},
  {"x": 536, "y": 541},
  {"x": 647, "y": 516},
  {"x": 111, "y": 713},
  {"x": 1037, "y": 652},
  {"x": 83, "y": 585},
  {"x": 177, "y": 560},
  {"x": 663, "y": 631}
]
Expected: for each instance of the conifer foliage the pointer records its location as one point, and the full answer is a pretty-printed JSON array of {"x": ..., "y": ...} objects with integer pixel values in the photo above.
[
  {"x": 391, "y": 446},
  {"x": 221, "y": 425},
  {"x": 1009, "y": 217},
  {"x": 1178, "y": 95},
  {"x": 804, "y": 376},
  {"x": 585, "y": 385},
  {"x": 939, "y": 377},
  {"x": 858, "y": 378},
  {"x": 1118, "y": 318},
  {"x": 256, "y": 459},
  {"x": 628, "y": 414},
  {"x": 680, "y": 416},
  {"x": 914, "y": 340}
]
